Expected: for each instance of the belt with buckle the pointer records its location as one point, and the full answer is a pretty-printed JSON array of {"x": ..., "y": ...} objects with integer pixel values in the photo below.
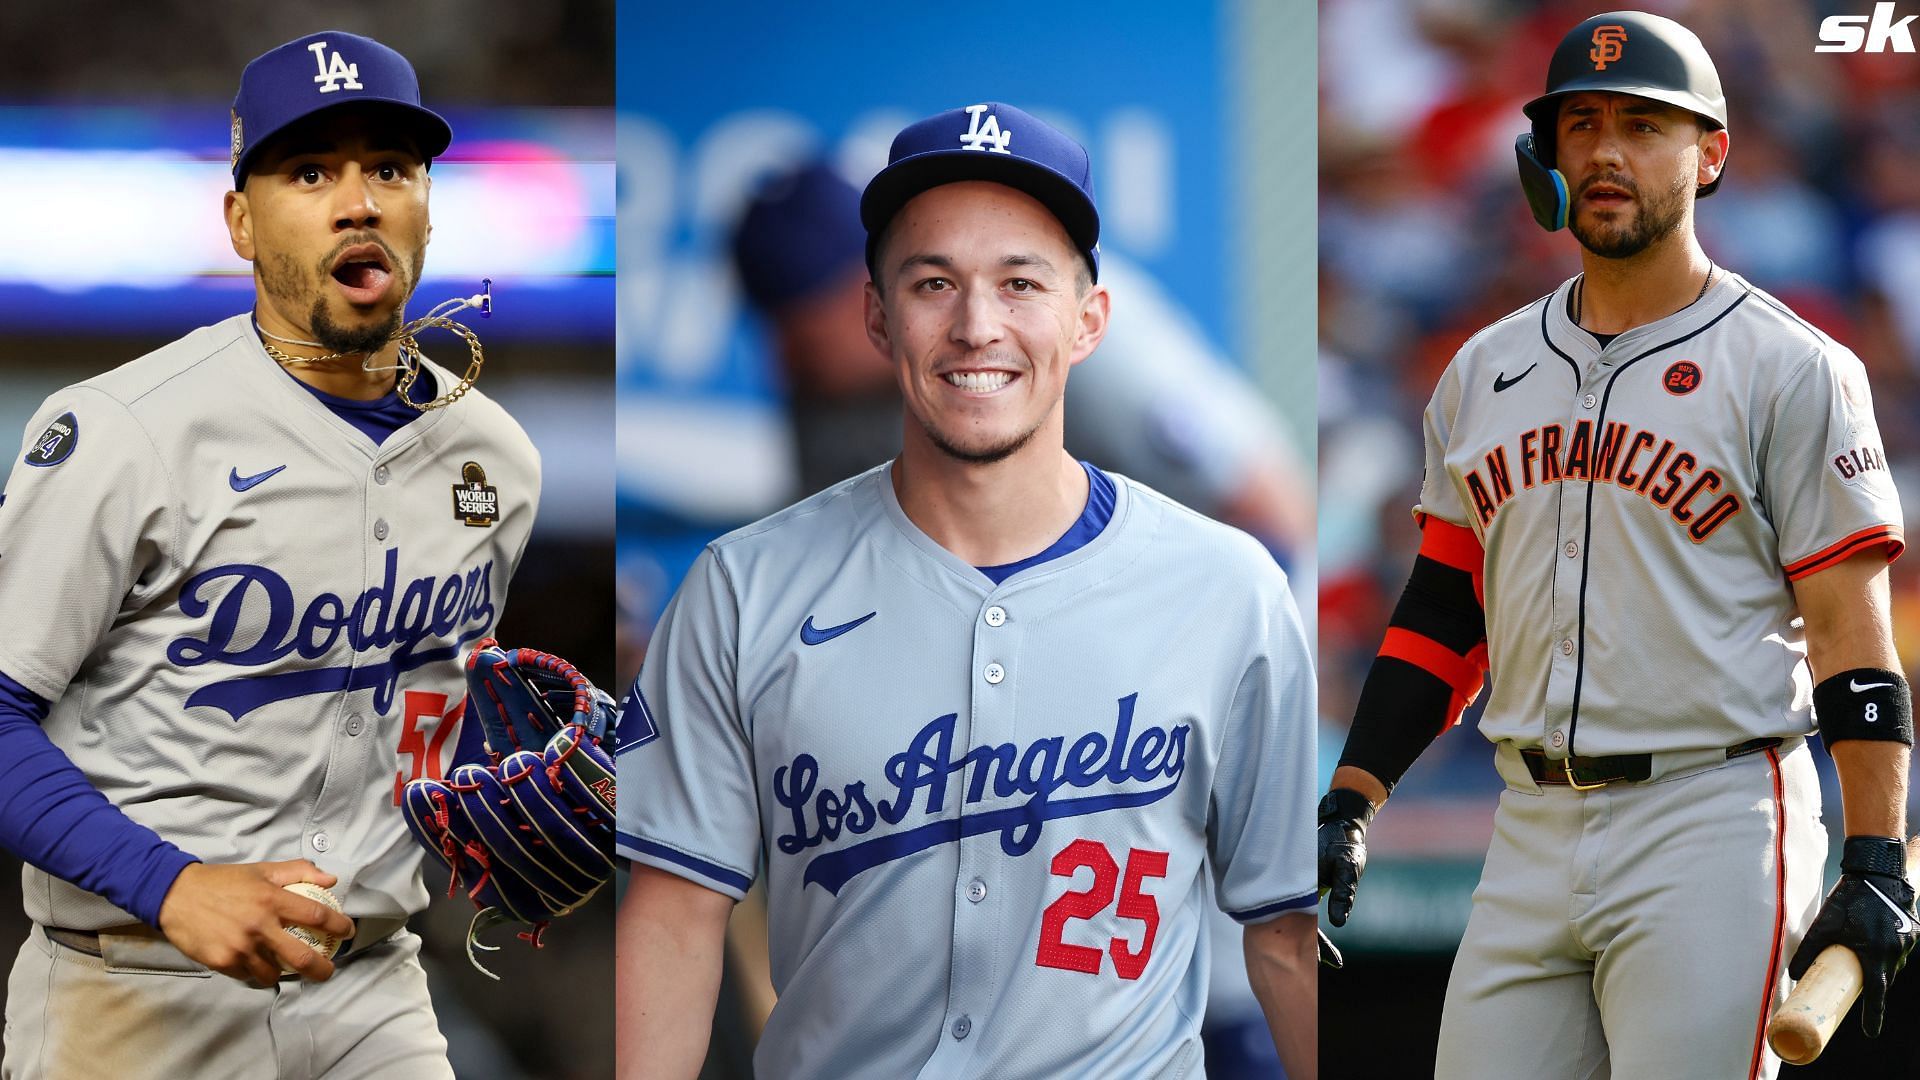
[{"x": 1588, "y": 772}]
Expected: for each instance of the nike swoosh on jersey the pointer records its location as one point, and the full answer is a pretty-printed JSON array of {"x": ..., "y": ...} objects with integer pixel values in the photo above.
[
  {"x": 1501, "y": 382},
  {"x": 243, "y": 483},
  {"x": 811, "y": 636},
  {"x": 1907, "y": 925},
  {"x": 1859, "y": 687}
]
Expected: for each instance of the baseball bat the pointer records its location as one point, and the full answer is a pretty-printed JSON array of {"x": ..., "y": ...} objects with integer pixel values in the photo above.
[{"x": 1805, "y": 1021}]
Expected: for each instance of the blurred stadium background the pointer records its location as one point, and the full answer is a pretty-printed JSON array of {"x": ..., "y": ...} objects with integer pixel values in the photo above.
[
  {"x": 113, "y": 158},
  {"x": 1425, "y": 238},
  {"x": 1198, "y": 121}
]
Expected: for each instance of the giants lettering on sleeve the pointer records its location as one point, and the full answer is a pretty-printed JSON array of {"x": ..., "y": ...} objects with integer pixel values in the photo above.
[
  {"x": 1638, "y": 460},
  {"x": 1855, "y": 462}
]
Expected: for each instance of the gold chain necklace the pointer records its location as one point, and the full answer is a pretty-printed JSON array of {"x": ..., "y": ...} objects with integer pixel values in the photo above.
[{"x": 438, "y": 318}]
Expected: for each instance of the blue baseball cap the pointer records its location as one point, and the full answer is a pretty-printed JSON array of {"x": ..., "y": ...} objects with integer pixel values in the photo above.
[
  {"x": 993, "y": 142},
  {"x": 800, "y": 233},
  {"x": 322, "y": 71}
]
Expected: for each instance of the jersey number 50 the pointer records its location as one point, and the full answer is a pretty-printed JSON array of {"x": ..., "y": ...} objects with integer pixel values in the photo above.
[{"x": 1134, "y": 904}]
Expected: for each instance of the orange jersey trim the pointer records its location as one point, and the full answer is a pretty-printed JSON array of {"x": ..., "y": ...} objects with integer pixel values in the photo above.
[
  {"x": 1455, "y": 546},
  {"x": 1779, "y": 915},
  {"x": 1450, "y": 545},
  {"x": 1888, "y": 536}
]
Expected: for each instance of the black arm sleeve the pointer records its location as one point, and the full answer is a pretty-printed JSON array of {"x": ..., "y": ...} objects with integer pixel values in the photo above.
[{"x": 1402, "y": 705}]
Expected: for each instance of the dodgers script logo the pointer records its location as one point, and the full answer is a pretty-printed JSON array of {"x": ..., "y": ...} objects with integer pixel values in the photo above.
[
  {"x": 336, "y": 74},
  {"x": 427, "y": 610},
  {"x": 1144, "y": 767}
]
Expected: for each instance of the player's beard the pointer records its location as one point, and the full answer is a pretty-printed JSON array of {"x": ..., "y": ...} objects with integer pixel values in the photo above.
[
  {"x": 366, "y": 338},
  {"x": 987, "y": 455},
  {"x": 284, "y": 280},
  {"x": 1654, "y": 219}
]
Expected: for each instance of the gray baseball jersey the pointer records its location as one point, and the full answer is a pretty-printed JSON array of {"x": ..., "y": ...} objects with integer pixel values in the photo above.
[
  {"x": 988, "y": 817},
  {"x": 1644, "y": 509},
  {"x": 249, "y": 616}
]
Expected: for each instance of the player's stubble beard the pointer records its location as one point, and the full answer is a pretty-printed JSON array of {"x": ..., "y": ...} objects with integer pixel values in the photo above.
[
  {"x": 979, "y": 456},
  {"x": 284, "y": 280},
  {"x": 982, "y": 455},
  {"x": 1654, "y": 219}
]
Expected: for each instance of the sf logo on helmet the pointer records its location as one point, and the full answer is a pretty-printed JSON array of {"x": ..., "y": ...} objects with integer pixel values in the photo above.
[{"x": 1608, "y": 43}]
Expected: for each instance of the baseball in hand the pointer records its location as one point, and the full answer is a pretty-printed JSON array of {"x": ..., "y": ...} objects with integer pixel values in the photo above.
[{"x": 318, "y": 940}]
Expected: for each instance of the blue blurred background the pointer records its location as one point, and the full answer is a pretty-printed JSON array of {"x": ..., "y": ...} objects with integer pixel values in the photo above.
[{"x": 1198, "y": 118}]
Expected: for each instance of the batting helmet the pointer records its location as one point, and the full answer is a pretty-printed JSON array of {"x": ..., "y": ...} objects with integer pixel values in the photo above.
[{"x": 1623, "y": 52}]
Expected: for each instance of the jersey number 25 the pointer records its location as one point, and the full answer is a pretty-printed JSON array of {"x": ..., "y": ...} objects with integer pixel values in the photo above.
[{"x": 1134, "y": 904}]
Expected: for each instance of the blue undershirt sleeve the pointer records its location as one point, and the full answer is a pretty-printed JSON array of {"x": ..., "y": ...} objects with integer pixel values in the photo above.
[{"x": 54, "y": 818}]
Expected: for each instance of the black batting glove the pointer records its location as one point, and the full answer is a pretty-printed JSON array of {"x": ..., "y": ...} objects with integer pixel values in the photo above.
[
  {"x": 1344, "y": 817},
  {"x": 1869, "y": 910}
]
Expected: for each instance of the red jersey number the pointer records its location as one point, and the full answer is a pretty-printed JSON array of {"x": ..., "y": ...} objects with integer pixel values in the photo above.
[
  {"x": 424, "y": 749},
  {"x": 1056, "y": 952}
]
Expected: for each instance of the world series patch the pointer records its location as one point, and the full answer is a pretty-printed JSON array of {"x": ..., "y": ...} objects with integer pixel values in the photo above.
[
  {"x": 475, "y": 502},
  {"x": 56, "y": 443}
]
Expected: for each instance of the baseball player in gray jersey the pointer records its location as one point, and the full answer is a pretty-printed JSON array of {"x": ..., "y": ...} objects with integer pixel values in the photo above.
[
  {"x": 992, "y": 725},
  {"x": 237, "y": 576},
  {"x": 1658, "y": 516}
]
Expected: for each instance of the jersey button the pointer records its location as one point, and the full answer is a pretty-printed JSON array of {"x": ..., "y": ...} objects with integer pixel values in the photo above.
[
  {"x": 380, "y": 529},
  {"x": 1589, "y": 401},
  {"x": 320, "y": 842},
  {"x": 355, "y": 725},
  {"x": 1566, "y": 646},
  {"x": 1558, "y": 739},
  {"x": 380, "y": 474},
  {"x": 994, "y": 674},
  {"x": 962, "y": 1027},
  {"x": 996, "y": 615},
  {"x": 976, "y": 890},
  {"x": 1573, "y": 549}
]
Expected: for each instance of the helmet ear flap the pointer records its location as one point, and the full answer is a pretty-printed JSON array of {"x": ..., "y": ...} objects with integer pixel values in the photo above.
[{"x": 1546, "y": 188}]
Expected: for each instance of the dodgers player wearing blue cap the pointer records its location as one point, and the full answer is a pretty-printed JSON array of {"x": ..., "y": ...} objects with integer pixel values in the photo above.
[
  {"x": 237, "y": 590},
  {"x": 992, "y": 725}
]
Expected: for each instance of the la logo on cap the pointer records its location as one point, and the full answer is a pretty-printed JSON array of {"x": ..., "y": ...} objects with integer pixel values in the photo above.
[
  {"x": 334, "y": 73},
  {"x": 985, "y": 136}
]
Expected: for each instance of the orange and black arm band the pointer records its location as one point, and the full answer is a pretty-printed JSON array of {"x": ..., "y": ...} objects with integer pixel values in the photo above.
[{"x": 1433, "y": 661}]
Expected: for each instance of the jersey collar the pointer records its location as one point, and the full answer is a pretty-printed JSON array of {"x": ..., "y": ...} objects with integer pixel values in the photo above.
[
  {"x": 954, "y": 567},
  {"x": 1567, "y": 337},
  {"x": 272, "y": 386}
]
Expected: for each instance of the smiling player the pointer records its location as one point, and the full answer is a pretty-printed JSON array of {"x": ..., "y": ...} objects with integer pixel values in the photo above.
[
  {"x": 238, "y": 574},
  {"x": 993, "y": 723}
]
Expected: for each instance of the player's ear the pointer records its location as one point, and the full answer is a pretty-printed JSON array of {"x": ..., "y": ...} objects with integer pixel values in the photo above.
[
  {"x": 1713, "y": 155},
  {"x": 239, "y": 224},
  {"x": 876, "y": 317},
  {"x": 1093, "y": 323}
]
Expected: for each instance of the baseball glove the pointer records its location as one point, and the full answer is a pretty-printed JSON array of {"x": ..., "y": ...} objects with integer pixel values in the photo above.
[{"x": 529, "y": 836}]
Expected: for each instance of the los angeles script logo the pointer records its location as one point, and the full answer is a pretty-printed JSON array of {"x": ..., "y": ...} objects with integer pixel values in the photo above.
[{"x": 1134, "y": 767}]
